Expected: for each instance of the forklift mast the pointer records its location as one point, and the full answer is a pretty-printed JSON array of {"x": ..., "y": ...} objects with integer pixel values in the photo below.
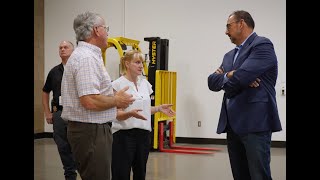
[{"x": 158, "y": 56}]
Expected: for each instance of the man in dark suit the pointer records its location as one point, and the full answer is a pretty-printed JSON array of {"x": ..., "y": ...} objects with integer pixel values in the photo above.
[{"x": 249, "y": 113}]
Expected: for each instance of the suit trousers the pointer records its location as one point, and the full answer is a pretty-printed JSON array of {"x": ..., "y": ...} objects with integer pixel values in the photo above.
[
  {"x": 64, "y": 149},
  {"x": 249, "y": 155},
  {"x": 130, "y": 150}
]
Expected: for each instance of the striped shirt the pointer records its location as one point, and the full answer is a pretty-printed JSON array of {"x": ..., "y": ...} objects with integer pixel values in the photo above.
[{"x": 85, "y": 74}]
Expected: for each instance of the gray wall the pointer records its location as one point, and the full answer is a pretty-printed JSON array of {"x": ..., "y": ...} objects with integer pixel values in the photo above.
[{"x": 197, "y": 43}]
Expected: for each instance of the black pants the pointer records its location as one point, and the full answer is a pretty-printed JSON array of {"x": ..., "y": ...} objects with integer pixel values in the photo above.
[
  {"x": 130, "y": 149},
  {"x": 64, "y": 149}
]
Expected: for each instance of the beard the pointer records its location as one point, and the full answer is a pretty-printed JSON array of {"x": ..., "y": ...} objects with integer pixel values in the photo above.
[{"x": 233, "y": 39}]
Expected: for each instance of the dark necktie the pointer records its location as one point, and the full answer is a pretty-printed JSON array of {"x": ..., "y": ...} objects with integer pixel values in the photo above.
[
  {"x": 235, "y": 54},
  {"x": 234, "y": 60}
]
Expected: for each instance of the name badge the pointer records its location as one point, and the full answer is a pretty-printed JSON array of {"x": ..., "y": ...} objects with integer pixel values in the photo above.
[{"x": 60, "y": 101}]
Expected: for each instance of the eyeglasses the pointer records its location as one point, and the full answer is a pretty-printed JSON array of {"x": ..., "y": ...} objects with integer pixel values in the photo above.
[
  {"x": 105, "y": 27},
  {"x": 228, "y": 26}
]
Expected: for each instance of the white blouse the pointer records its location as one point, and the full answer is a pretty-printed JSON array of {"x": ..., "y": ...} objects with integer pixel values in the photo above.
[{"x": 142, "y": 101}]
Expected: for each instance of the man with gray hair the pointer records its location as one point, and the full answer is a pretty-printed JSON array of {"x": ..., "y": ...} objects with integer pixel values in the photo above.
[{"x": 88, "y": 100}]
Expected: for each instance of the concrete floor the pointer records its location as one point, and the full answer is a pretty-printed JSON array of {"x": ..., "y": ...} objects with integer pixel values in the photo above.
[{"x": 161, "y": 165}]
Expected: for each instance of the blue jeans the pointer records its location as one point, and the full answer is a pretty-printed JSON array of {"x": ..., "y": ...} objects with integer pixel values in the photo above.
[
  {"x": 64, "y": 149},
  {"x": 249, "y": 155}
]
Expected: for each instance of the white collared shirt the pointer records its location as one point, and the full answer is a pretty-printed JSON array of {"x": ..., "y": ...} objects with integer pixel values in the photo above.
[{"x": 143, "y": 101}]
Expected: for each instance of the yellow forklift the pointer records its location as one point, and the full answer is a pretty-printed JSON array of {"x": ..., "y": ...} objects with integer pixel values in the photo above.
[{"x": 164, "y": 91}]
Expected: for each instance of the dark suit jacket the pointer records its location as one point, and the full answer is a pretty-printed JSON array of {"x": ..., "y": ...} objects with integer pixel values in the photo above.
[{"x": 249, "y": 109}]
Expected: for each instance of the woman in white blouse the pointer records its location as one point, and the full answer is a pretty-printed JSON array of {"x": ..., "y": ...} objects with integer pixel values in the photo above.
[{"x": 132, "y": 129}]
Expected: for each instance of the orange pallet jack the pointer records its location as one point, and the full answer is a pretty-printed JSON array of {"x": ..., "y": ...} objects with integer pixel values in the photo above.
[{"x": 180, "y": 149}]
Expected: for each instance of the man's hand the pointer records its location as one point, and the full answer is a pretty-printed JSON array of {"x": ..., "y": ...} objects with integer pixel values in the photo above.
[
  {"x": 255, "y": 83},
  {"x": 123, "y": 99},
  {"x": 230, "y": 74},
  {"x": 49, "y": 118},
  {"x": 219, "y": 71}
]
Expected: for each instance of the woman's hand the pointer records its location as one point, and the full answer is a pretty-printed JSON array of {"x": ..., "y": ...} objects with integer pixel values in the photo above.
[
  {"x": 135, "y": 113},
  {"x": 166, "y": 109}
]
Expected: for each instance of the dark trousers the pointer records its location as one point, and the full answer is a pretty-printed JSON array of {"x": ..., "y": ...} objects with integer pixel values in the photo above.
[
  {"x": 249, "y": 155},
  {"x": 130, "y": 150},
  {"x": 91, "y": 145},
  {"x": 64, "y": 149}
]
